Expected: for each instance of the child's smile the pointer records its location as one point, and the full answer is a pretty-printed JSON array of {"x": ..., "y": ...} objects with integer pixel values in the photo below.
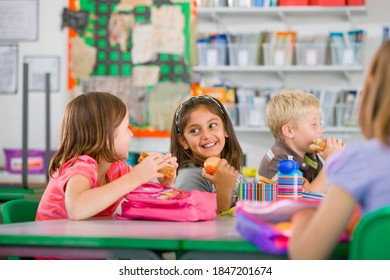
[{"x": 204, "y": 133}]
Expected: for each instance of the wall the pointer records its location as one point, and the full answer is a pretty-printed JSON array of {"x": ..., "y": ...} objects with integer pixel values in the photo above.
[{"x": 53, "y": 41}]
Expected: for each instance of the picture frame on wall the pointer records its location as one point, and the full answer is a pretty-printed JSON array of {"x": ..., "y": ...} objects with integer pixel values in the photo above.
[
  {"x": 38, "y": 66},
  {"x": 8, "y": 68},
  {"x": 18, "y": 20}
]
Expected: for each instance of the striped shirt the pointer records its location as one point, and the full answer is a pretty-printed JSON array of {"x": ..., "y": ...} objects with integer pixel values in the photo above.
[{"x": 310, "y": 165}]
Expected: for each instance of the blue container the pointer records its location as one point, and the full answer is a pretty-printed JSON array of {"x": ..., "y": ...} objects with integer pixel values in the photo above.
[{"x": 289, "y": 179}]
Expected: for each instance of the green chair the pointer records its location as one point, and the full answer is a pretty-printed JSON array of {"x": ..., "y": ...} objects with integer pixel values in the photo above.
[
  {"x": 371, "y": 240},
  {"x": 18, "y": 211}
]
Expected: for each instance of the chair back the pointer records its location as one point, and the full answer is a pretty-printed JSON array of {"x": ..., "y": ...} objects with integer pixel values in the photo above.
[
  {"x": 19, "y": 210},
  {"x": 370, "y": 240}
]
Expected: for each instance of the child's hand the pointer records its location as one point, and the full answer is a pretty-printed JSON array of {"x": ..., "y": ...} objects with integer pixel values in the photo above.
[
  {"x": 168, "y": 181},
  {"x": 332, "y": 145},
  {"x": 224, "y": 179},
  {"x": 148, "y": 168}
]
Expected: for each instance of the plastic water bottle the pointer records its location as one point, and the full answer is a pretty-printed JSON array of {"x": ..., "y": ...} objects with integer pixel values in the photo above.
[{"x": 289, "y": 179}]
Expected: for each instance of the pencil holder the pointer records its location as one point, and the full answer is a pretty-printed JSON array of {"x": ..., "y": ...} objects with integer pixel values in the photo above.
[{"x": 258, "y": 192}]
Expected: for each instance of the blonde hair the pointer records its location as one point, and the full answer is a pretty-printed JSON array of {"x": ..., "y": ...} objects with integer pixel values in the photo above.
[
  {"x": 374, "y": 113},
  {"x": 288, "y": 107}
]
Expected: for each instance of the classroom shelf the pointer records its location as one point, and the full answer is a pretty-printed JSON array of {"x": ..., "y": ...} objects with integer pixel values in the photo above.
[
  {"x": 331, "y": 129},
  {"x": 281, "y": 71},
  {"x": 281, "y": 13},
  {"x": 272, "y": 69}
]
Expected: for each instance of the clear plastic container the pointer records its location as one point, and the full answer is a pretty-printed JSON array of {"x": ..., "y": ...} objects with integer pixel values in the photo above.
[
  {"x": 212, "y": 54},
  {"x": 211, "y": 3},
  {"x": 231, "y": 109},
  {"x": 281, "y": 55},
  {"x": 310, "y": 54},
  {"x": 248, "y": 115},
  {"x": 346, "y": 115},
  {"x": 243, "y": 54},
  {"x": 347, "y": 55},
  {"x": 242, "y": 3}
]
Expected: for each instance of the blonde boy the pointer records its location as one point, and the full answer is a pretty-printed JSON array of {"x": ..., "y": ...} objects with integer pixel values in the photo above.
[{"x": 295, "y": 118}]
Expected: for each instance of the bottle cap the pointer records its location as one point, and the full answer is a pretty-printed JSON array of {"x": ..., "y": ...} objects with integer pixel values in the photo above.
[{"x": 286, "y": 166}]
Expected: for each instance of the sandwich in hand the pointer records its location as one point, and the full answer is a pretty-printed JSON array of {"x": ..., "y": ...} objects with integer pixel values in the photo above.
[
  {"x": 265, "y": 180},
  {"x": 318, "y": 145},
  {"x": 168, "y": 170}
]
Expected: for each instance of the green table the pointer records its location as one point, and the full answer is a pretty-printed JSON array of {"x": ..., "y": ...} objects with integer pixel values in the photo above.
[{"x": 108, "y": 238}]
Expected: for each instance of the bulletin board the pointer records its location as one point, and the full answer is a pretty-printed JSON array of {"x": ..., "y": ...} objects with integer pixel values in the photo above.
[
  {"x": 111, "y": 60},
  {"x": 153, "y": 61}
]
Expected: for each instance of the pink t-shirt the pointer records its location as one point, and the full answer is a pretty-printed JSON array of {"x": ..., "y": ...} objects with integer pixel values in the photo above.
[{"x": 52, "y": 204}]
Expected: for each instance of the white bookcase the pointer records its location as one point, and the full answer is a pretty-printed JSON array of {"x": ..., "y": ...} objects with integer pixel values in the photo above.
[{"x": 309, "y": 20}]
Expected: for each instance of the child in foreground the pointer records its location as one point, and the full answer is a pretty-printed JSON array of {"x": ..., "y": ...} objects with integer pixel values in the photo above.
[
  {"x": 359, "y": 174},
  {"x": 88, "y": 174},
  {"x": 295, "y": 119},
  {"x": 201, "y": 128}
]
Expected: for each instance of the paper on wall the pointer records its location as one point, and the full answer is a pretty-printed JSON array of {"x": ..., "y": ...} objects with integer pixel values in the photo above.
[
  {"x": 119, "y": 27},
  {"x": 144, "y": 76},
  {"x": 134, "y": 97},
  {"x": 168, "y": 22},
  {"x": 169, "y": 41},
  {"x": 127, "y": 5},
  {"x": 163, "y": 101},
  {"x": 144, "y": 49},
  {"x": 82, "y": 59}
]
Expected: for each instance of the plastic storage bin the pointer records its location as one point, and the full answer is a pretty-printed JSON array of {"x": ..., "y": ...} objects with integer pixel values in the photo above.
[
  {"x": 243, "y": 54},
  {"x": 356, "y": 2},
  {"x": 211, "y": 3},
  {"x": 241, "y": 3},
  {"x": 346, "y": 115},
  {"x": 212, "y": 54},
  {"x": 310, "y": 54},
  {"x": 328, "y": 2},
  {"x": 278, "y": 55},
  {"x": 232, "y": 111},
  {"x": 293, "y": 2},
  {"x": 35, "y": 161},
  {"x": 347, "y": 55}
]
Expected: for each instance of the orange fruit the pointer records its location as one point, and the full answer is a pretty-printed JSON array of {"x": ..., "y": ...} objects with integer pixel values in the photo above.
[{"x": 210, "y": 165}]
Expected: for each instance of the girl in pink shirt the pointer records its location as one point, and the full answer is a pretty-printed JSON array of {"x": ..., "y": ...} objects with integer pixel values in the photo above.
[{"x": 89, "y": 175}]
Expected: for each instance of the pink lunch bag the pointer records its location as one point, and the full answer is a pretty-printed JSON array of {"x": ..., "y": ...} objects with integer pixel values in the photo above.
[{"x": 157, "y": 202}]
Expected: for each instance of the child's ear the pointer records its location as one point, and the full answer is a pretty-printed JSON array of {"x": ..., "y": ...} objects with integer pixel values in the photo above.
[
  {"x": 287, "y": 131},
  {"x": 226, "y": 134},
  {"x": 183, "y": 142}
]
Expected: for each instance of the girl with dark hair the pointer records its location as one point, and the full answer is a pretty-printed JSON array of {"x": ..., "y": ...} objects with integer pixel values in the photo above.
[{"x": 201, "y": 128}]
